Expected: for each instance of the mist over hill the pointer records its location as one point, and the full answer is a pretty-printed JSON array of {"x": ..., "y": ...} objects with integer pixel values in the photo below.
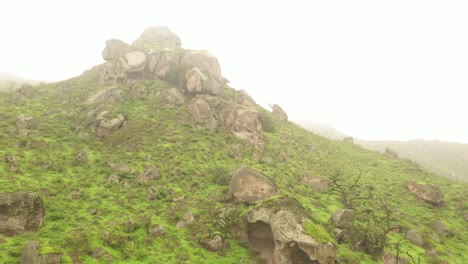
[
  {"x": 10, "y": 82},
  {"x": 150, "y": 157},
  {"x": 448, "y": 159}
]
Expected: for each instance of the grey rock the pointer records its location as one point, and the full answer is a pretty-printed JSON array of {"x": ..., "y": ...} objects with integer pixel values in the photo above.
[
  {"x": 249, "y": 186},
  {"x": 157, "y": 230},
  {"x": 20, "y": 212},
  {"x": 342, "y": 218}
]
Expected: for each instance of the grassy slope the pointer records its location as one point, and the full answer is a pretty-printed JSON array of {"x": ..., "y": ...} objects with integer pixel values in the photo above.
[
  {"x": 443, "y": 158},
  {"x": 193, "y": 162}
]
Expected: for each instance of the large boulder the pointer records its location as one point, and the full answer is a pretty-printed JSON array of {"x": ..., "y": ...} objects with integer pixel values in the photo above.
[
  {"x": 279, "y": 113},
  {"x": 277, "y": 234},
  {"x": 204, "y": 61},
  {"x": 157, "y": 38},
  {"x": 31, "y": 255},
  {"x": 248, "y": 127},
  {"x": 250, "y": 186},
  {"x": 20, "y": 212},
  {"x": 426, "y": 191},
  {"x": 197, "y": 82},
  {"x": 243, "y": 98},
  {"x": 161, "y": 63},
  {"x": 115, "y": 49},
  {"x": 201, "y": 112},
  {"x": 105, "y": 123},
  {"x": 134, "y": 61},
  {"x": 107, "y": 95},
  {"x": 342, "y": 218}
]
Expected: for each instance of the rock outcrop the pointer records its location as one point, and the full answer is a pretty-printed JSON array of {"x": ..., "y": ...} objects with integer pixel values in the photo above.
[
  {"x": 20, "y": 212},
  {"x": 157, "y": 38},
  {"x": 427, "y": 192},
  {"x": 279, "y": 113},
  {"x": 250, "y": 186},
  {"x": 201, "y": 111},
  {"x": 31, "y": 255},
  {"x": 278, "y": 236},
  {"x": 107, "y": 95}
]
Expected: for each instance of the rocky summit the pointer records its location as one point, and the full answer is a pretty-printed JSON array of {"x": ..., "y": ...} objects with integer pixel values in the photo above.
[{"x": 151, "y": 157}]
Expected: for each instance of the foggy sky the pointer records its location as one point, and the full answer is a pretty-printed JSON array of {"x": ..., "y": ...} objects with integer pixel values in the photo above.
[{"x": 393, "y": 70}]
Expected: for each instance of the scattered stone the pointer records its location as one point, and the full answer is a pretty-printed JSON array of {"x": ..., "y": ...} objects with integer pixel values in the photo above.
[
  {"x": 113, "y": 178},
  {"x": 12, "y": 159},
  {"x": 317, "y": 183},
  {"x": 279, "y": 113},
  {"x": 75, "y": 195},
  {"x": 248, "y": 127},
  {"x": 93, "y": 211},
  {"x": 174, "y": 97},
  {"x": 23, "y": 121},
  {"x": 187, "y": 218},
  {"x": 250, "y": 186},
  {"x": 157, "y": 230},
  {"x": 214, "y": 244},
  {"x": 427, "y": 192},
  {"x": 99, "y": 253},
  {"x": 440, "y": 228},
  {"x": 20, "y": 212},
  {"x": 151, "y": 173},
  {"x": 414, "y": 237},
  {"x": 30, "y": 255},
  {"x": 349, "y": 140},
  {"x": 342, "y": 218},
  {"x": 152, "y": 193},
  {"x": 81, "y": 158},
  {"x": 108, "y": 95}
]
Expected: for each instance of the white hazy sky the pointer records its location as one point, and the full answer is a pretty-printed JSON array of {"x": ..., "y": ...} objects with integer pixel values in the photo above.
[{"x": 373, "y": 69}]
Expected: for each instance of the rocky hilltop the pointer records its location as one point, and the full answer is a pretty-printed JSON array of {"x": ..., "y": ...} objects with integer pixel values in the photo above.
[{"x": 152, "y": 158}]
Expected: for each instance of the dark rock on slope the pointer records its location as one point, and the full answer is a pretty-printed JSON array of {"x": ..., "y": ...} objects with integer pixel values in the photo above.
[{"x": 20, "y": 212}]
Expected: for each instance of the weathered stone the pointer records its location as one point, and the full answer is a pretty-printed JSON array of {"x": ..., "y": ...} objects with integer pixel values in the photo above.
[
  {"x": 157, "y": 38},
  {"x": 115, "y": 49},
  {"x": 348, "y": 139},
  {"x": 106, "y": 124},
  {"x": 81, "y": 157},
  {"x": 151, "y": 173},
  {"x": 198, "y": 82},
  {"x": 249, "y": 128},
  {"x": 107, "y": 95},
  {"x": 12, "y": 159},
  {"x": 427, "y": 192},
  {"x": 174, "y": 97},
  {"x": 30, "y": 255},
  {"x": 279, "y": 113},
  {"x": 250, "y": 186},
  {"x": 277, "y": 235},
  {"x": 214, "y": 244},
  {"x": 113, "y": 178},
  {"x": 243, "y": 98},
  {"x": 23, "y": 121},
  {"x": 157, "y": 230},
  {"x": 152, "y": 193},
  {"x": 204, "y": 61},
  {"x": 93, "y": 211},
  {"x": 187, "y": 218},
  {"x": 135, "y": 61},
  {"x": 342, "y": 218},
  {"x": 414, "y": 237},
  {"x": 202, "y": 113},
  {"x": 440, "y": 228},
  {"x": 75, "y": 195},
  {"x": 20, "y": 212},
  {"x": 317, "y": 183}
]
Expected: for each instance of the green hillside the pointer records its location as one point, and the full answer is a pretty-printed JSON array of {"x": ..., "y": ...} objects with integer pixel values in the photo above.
[{"x": 92, "y": 219}]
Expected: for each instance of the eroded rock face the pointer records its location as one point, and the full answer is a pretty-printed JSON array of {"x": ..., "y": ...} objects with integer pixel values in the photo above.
[
  {"x": 30, "y": 255},
  {"x": 134, "y": 61},
  {"x": 250, "y": 186},
  {"x": 427, "y": 192},
  {"x": 204, "y": 61},
  {"x": 157, "y": 38},
  {"x": 161, "y": 63},
  {"x": 279, "y": 113},
  {"x": 277, "y": 235},
  {"x": 243, "y": 98},
  {"x": 20, "y": 212}
]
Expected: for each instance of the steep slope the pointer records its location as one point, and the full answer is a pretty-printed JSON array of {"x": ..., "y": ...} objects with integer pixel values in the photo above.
[{"x": 136, "y": 166}]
